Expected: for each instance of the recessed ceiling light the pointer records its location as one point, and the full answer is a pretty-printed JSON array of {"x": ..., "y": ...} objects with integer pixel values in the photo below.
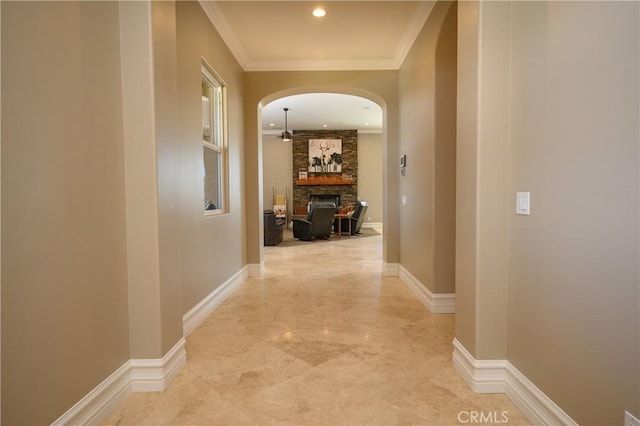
[
  {"x": 271, "y": 124},
  {"x": 324, "y": 125},
  {"x": 319, "y": 12}
]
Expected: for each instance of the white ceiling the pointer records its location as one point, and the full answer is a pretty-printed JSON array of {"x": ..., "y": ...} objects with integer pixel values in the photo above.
[
  {"x": 330, "y": 111},
  {"x": 284, "y": 36}
]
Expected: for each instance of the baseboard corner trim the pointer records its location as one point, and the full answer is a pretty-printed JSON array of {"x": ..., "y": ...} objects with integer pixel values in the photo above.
[
  {"x": 154, "y": 375},
  {"x": 437, "y": 303},
  {"x": 196, "y": 315},
  {"x": 500, "y": 376},
  {"x": 482, "y": 376},
  {"x": 100, "y": 401}
]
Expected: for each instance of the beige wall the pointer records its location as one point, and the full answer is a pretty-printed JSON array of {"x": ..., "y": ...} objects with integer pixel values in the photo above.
[
  {"x": 555, "y": 293},
  {"x": 168, "y": 145},
  {"x": 212, "y": 248},
  {"x": 482, "y": 178},
  {"x": 263, "y": 87},
  {"x": 567, "y": 131},
  {"x": 466, "y": 175},
  {"x": 277, "y": 166},
  {"x": 64, "y": 288},
  {"x": 95, "y": 280},
  {"x": 427, "y": 88},
  {"x": 370, "y": 155},
  {"x": 573, "y": 264},
  {"x": 148, "y": 33},
  {"x": 141, "y": 180},
  {"x": 444, "y": 175}
]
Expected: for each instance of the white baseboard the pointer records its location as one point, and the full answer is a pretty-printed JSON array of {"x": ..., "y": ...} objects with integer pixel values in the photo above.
[
  {"x": 537, "y": 406},
  {"x": 154, "y": 375},
  {"x": 500, "y": 376},
  {"x": 389, "y": 269},
  {"x": 484, "y": 376},
  {"x": 256, "y": 269},
  {"x": 135, "y": 375},
  {"x": 147, "y": 375},
  {"x": 196, "y": 315},
  {"x": 437, "y": 303},
  {"x": 372, "y": 224},
  {"x": 101, "y": 401}
]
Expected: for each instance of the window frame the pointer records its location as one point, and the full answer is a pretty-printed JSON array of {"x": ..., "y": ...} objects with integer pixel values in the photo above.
[{"x": 219, "y": 136}]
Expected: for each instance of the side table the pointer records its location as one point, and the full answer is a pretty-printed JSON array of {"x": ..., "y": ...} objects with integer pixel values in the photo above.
[{"x": 339, "y": 217}]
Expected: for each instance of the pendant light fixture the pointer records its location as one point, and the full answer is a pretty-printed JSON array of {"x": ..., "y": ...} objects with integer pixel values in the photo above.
[{"x": 286, "y": 136}]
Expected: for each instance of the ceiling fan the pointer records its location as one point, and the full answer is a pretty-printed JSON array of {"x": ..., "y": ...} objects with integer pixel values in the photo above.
[{"x": 286, "y": 135}]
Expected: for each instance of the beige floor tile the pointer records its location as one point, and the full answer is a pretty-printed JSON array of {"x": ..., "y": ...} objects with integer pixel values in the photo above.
[
  {"x": 212, "y": 410},
  {"x": 242, "y": 373},
  {"x": 322, "y": 338},
  {"x": 337, "y": 392}
]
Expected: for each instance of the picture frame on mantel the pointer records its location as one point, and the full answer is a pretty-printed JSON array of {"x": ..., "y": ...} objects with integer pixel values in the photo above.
[
  {"x": 302, "y": 175},
  {"x": 325, "y": 155}
]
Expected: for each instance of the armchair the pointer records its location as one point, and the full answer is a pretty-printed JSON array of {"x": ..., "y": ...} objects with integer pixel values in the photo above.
[
  {"x": 273, "y": 228},
  {"x": 317, "y": 224},
  {"x": 357, "y": 218}
]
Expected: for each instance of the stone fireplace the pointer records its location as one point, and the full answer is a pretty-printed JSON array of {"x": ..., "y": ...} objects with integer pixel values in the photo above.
[
  {"x": 334, "y": 198},
  {"x": 341, "y": 188}
]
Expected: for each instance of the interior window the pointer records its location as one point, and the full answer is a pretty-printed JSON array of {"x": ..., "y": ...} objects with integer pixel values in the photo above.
[{"x": 213, "y": 142}]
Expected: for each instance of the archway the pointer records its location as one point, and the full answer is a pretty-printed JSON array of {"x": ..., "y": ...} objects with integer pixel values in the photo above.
[
  {"x": 355, "y": 121},
  {"x": 260, "y": 88},
  {"x": 316, "y": 90}
]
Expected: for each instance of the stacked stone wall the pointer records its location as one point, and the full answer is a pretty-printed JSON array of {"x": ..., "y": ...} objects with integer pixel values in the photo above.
[{"x": 348, "y": 192}]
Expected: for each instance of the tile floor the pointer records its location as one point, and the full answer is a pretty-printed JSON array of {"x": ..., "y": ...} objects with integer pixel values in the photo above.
[{"x": 321, "y": 339}]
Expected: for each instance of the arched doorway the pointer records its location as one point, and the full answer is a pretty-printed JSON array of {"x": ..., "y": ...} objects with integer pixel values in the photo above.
[
  {"x": 261, "y": 88},
  {"x": 333, "y": 115},
  {"x": 255, "y": 156}
]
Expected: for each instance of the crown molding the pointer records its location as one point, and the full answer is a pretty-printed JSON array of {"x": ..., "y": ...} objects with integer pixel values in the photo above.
[
  {"x": 412, "y": 32},
  {"x": 218, "y": 20},
  {"x": 321, "y": 65}
]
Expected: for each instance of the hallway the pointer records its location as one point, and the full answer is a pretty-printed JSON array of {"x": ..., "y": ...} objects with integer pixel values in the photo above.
[{"x": 322, "y": 338}]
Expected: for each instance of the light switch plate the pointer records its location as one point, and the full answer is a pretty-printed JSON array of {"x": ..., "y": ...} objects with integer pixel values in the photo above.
[{"x": 523, "y": 206}]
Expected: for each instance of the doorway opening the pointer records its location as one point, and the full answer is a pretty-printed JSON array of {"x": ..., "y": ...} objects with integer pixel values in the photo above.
[{"x": 323, "y": 116}]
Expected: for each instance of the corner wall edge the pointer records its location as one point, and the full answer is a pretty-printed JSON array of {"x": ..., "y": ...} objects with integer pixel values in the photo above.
[
  {"x": 437, "y": 303},
  {"x": 500, "y": 376}
]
